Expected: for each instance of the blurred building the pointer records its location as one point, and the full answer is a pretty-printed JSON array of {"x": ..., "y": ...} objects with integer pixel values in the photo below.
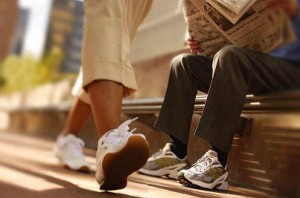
[
  {"x": 37, "y": 26},
  {"x": 66, "y": 32},
  {"x": 73, "y": 49},
  {"x": 20, "y": 31},
  {"x": 8, "y": 20}
]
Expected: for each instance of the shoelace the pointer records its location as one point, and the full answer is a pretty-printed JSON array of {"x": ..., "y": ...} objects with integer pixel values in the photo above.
[
  {"x": 158, "y": 153},
  {"x": 122, "y": 131},
  {"x": 203, "y": 163},
  {"x": 124, "y": 127},
  {"x": 162, "y": 152},
  {"x": 77, "y": 146}
]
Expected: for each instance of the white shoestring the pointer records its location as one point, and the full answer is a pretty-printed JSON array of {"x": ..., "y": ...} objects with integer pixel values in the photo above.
[
  {"x": 122, "y": 131},
  {"x": 77, "y": 145},
  {"x": 124, "y": 127}
]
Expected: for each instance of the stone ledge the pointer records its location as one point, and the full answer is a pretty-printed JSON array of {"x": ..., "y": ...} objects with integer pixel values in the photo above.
[
  {"x": 50, "y": 94},
  {"x": 253, "y": 161}
]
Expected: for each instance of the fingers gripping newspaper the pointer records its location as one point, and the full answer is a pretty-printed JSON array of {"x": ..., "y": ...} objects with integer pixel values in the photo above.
[{"x": 259, "y": 28}]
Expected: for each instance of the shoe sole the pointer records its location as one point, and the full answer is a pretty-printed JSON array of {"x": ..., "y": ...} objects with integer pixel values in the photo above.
[
  {"x": 118, "y": 166},
  {"x": 185, "y": 182},
  {"x": 82, "y": 169}
]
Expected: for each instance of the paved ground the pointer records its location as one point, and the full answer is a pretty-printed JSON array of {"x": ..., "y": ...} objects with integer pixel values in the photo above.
[{"x": 28, "y": 169}]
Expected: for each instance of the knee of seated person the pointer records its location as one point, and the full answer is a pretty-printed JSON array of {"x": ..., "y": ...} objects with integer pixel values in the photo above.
[
  {"x": 229, "y": 53},
  {"x": 186, "y": 62},
  {"x": 177, "y": 61}
]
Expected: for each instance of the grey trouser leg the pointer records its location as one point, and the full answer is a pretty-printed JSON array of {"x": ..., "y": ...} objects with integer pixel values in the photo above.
[
  {"x": 240, "y": 71},
  {"x": 188, "y": 74}
]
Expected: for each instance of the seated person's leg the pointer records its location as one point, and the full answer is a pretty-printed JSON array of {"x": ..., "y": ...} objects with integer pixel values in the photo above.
[
  {"x": 237, "y": 72},
  {"x": 188, "y": 74}
]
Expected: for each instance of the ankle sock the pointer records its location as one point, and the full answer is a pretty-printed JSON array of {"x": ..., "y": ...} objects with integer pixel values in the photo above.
[
  {"x": 178, "y": 148},
  {"x": 222, "y": 156}
]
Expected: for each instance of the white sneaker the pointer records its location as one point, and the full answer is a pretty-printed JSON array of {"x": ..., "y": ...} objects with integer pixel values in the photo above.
[
  {"x": 119, "y": 154},
  {"x": 206, "y": 173},
  {"x": 69, "y": 150},
  {"x": 164, "y": 163}
]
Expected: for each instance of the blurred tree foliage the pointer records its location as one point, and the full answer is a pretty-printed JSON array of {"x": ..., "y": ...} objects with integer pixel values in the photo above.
[{"x": 24, "y": 73}]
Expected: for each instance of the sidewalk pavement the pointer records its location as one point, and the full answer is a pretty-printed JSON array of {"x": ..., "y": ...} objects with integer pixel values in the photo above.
[{"x": 28, "y": 169}]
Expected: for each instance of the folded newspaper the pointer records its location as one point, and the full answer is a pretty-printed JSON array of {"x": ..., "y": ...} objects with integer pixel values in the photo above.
[
  {"x": 236, "y": 6},
  {"x": 233, "y": 10},
  {"x": 259, "y": 28}
]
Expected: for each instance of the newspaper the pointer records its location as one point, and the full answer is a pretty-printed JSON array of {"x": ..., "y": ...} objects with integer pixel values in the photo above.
[
  {"x": 260, "y": 28},
  {"x": 233, "y": 10}
]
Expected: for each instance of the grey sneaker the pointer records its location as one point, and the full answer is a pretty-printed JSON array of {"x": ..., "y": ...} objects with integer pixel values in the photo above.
[
  {"x": 206, "y": 173},
  {"x": 164, "y": 163}
]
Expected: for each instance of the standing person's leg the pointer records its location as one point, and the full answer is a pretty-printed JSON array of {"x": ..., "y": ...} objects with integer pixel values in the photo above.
[
  {"x": 188, "y": 74},
  {"x": 114, "y": 76},
  {"x": 238, "y": 71},
  {"x": 69, "y": 147},
  {"x": 106, "y": 100},
  {"x": 108, "y": 76},
  {"x": 77, "y": 118},
  {"x": 80, "y": 111}
]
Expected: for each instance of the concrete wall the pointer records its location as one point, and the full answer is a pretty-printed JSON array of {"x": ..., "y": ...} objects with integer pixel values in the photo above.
[{"x": 162, "y": 32}]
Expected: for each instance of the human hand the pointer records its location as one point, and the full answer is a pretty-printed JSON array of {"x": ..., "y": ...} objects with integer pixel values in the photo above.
[
  {"x": 193, "y": 45},
  {"x": 290, "y": 7}
]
